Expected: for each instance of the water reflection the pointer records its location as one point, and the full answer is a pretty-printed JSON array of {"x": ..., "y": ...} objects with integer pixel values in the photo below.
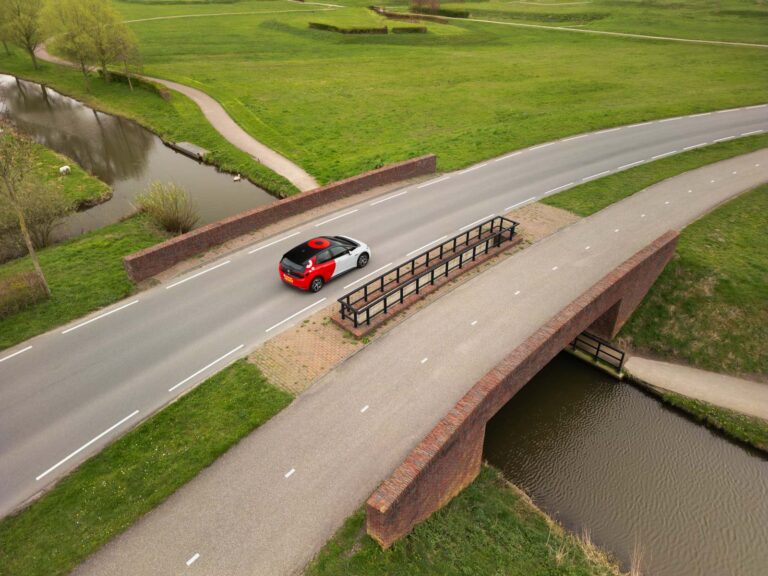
[
  {"x": 600, "y": 454},
  {"x": 121, "y": 153}
]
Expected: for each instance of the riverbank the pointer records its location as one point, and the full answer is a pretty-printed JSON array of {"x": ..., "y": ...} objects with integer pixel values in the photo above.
[
  {"x": 166, "y": 113},
  {"x": 492, "y": 527},
  {"x": 115, "y": 488}
]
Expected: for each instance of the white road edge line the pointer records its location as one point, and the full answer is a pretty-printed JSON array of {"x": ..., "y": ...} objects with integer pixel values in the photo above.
[
  {"x": 483, "y": 219},
  {"x": 695, "y": 146},
  {"x": 724, "y": 139},
  {"x": 427, "y": 244},
  {"x": 294, "y": 315},
  {"x": 531, "y": 199},
  {"x": 473, "y": 322},
  {"x": 423, "y": 360},
  {"x": 595, "y": 176},
  {"x": 433, "y": 182},
  {"x": 663, "y": 155},
  {"x": 540, "y": 146},
  {"x": 388, "y": 198},
  {"x": 15, "y": 354},
  {"x": 198, "y": 274},
  {"x": 558, "y": 188},
  {"x": 290, "y": 473},
  {"x": 219, "y": 359},
  {"x": 670, "y": 119},
  {"x": 729, "y": 110},
  {"x": 364, "y": 409},
  {"x": 473, "y": 168},
  {"x": 517, "y": 292},
  {"x": 575, "y": 137},
  {"x": 753, "y": 132},
  {"x": 99, "y": 317},
  {"x": 84, "y": 446},
  {"x": 367, "y": 275},
  {"x": 609, "y": 130},
  {"x": 274, "y": 242},
  {"x": 193, "y": 559},
  {"x": 554, "y": 268},
  {"x": 757, "y": 106},
  {"x": 702, "y": 114},
  {"x": 336, "y": 217}
]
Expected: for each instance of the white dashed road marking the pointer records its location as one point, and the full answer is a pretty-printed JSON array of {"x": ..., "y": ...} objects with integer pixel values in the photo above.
[
  {"x": 558, "y": 188},
  {"x": 193, "y": 559},
  {"x": 364, "y": 409},
  {"x": 483, "y": 219},
  {"x": 695, "y": 146},
  {"x": 84, "y": 446},
  {"x": 587, "y": 248},
  {"x": 630, "y": 165},
  {"x": 294, "y": 315},
  {"x": 554, "y": 268},
  {"x": 509, "y": 156},
  {"x": 199, "y": 274},
  {"x": 540, "y": 146},
  {"x": 663, "y": 155},
  {"x": 752, "y": 133},
  {"x": 423, "y": 360},
  {"x": 433, "y": 182},
  {"x": 336, "y": 217},
  {"x": 425, "y": 245},
  {"x": 474, "y": 322},
  {"x": 15, "y": 354},
  {"x": 99, "y": 317},
  {"x": 274, "y": 242},
  {"x": 368, "y": 275},
  {"x": 517, "y": 292},
  {"x": 595, "y": 176},
  {"x": 290, "y": 473},
  {"x": 531, "y": 199},
  {"x": 473, "y": 168},
  {"x": 389, "y": 198},
  {"x": 219, "y": 359}
]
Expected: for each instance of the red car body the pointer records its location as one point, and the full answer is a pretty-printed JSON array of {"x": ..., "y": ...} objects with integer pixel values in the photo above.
[{"x": 310, "y": 265}]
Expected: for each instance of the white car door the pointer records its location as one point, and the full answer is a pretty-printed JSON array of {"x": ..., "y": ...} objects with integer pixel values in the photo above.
[{"x": 344, "y": 258}]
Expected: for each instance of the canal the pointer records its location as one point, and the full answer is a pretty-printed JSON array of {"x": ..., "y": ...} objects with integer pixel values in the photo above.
[
  {"x": 601, "y": 455},
  {"x": 121, "y": 153}
]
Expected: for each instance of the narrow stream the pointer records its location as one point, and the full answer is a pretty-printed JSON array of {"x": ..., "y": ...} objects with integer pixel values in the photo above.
[
  {"x": 121, "y": 153},
  {"x": 602, "y": 455}
]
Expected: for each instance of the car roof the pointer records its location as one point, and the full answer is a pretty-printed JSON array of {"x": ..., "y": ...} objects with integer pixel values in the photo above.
[{"x": 310, "y": 248}]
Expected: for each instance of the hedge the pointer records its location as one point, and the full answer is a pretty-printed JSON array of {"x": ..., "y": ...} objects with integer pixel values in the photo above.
[{"x": 331, "y": 28}]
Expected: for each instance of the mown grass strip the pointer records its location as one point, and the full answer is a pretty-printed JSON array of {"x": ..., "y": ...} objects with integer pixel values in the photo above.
[
  {"x": 593, "y": 196},
  {"x": 112, "y": 490},
  {"x": 708, "y": 307},
  {"x": 85, "y": 273},
  {"x": 748, "y": 429},
  {"x": 490, "y": 528}
]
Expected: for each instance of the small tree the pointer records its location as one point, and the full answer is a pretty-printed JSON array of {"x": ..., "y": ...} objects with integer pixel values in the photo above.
[
  {"x": 68, "y": 22},
  {"x": 16, "y": 162},
  {"x": 23, "y": 24},
  {"x": 5, "y": 30},
  {"x": 110, "y": 37}
]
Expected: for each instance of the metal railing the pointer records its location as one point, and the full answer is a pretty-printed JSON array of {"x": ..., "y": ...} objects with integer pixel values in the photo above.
[
  {"x": 377, "y": 296},
  {"x": 599, "y": 350}
]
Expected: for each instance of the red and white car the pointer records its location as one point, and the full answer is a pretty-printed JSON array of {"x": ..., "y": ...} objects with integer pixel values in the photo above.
[{"x": 311, "y": 264}]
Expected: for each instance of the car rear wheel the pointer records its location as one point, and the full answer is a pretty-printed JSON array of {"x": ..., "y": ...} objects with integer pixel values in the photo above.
[
  {"x": 362, "y": 260},
  {"x": 316, "y": 284}
]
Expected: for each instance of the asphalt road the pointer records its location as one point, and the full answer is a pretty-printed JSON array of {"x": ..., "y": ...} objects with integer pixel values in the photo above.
[
  {"x": 270, "y": 503},
  {"x": 65, "y": 394}
]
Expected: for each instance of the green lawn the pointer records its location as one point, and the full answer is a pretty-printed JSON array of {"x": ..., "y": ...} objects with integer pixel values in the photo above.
[
  {"x": 113, "y": 489},
  {"x": 487, "y": 529},
  {"x": 341, "y": 104},
  {"x": 588, "y": 198},
  {"x": 708, "y": 308},
  {"x": 178, "y": 119},
  {"x": 79, "y": 187},
  {"x": 723, "y": 20},
  {"x": 747, "y": 429},
  {"x": 84, "y": 274}
]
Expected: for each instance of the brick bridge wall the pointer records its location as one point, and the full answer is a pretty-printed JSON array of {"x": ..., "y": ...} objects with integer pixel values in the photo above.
[
  {"x": 153, "y": 260},
  {"x": 449, "y": 458}
]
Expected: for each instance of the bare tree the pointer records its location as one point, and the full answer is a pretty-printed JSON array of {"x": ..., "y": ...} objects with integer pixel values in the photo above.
[
  {"x": 16, "y": 163},
  {"x": 23, "y": 24}
]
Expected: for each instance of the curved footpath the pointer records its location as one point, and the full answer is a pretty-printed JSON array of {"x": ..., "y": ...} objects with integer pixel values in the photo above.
[
  {"x": 60, "y": 390},
  {"x": 268, "y": 504},
  {"x": 226, "y": 126}
]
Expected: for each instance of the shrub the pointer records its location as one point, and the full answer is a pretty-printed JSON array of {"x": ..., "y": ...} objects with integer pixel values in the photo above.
[
  {"x": 409, "y": 30},
  {"x": 340, "y": 30},
  {"x": 440, "y": 12},
  {"x": 169, "y": 206},
  {"x": 19, "y": 292}
]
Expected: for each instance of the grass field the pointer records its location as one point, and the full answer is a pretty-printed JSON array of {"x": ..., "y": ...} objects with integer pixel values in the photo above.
[
  {"x": 84, "y": 274},
  {"x": 708, "y": 308},
  {"x": 723, "y": 20},
  {"x": 178, "y": 119},
  {"x": 339, "y": 104},
  {"x": 109, "y": 492},
  {"x": 490, "y": 528}
]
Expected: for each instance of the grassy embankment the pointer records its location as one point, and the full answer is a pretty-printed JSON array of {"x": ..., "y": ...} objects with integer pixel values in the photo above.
[
  {"x": 113, "y": 489},
  {"x": 84, "y": 274},
  {"x": 490, "y": 528},
  {"x": 728, "y": 20},
  {"x": 341, "y": 104},
  {"x": 79, "y": 187},
  {"x": 176, "y": 119}
]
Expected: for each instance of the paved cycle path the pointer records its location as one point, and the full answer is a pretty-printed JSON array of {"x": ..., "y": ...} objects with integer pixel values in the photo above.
[{"x": 269, "y": 504}]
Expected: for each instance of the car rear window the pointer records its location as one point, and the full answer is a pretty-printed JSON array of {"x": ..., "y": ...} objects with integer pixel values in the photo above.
[{"x": 302, "y": 253}]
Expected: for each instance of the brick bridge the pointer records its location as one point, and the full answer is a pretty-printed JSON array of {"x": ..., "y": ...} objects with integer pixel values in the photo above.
[{"x": 449, "y": 458}]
